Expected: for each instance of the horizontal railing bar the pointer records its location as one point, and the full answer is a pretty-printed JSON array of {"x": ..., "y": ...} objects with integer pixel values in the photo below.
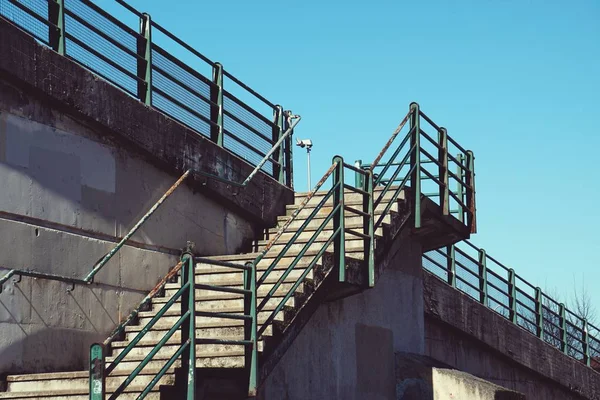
[
  {"x": 429, "y": 120},
  {"x": 458, "y": 146},
  {"x": 457, "y": 179},
  {"x": 497, "y": 276},
  {"x": 546, "y": 309},
  {"x": 551, "y": 334},
  {"x": 246, "y": 107},
  {"x": 103, "y": 35},
  {"x": 393, "y": 177},
  {"x": 222, "y": 315},
  {"x": 248, "y": 126},
  {"x": 503, "y": 292},
  {"x": 445, "y": 268},
  {"x": 432, "y": 158},
  {"x": 183, "y": 44},
  {"x": 458, "y": 163},
  {"x": 460, "y": 203},
  {"x": 358, "y": 170},
  {"x": 103, "y": 58},
  {"x": 222, "y": 289},
  {"x": 356, "y": 190},
  {"x": 181, "y": 105},
  {"x": 498, "y": 302},
  {"x": 32, "y": 13},
  {"x": 466, "y": 255},
  {"x": 297, "y": 283},
  {"x": 221, "y": 263},
  {"x": 182, "y": 65},
  {"x": 182, "y": 85},
  {"x": 467, "y": 283},
  {"x": 42, "y": 275},
  {"x": 110, "y": 18},
  {"x": 241, "y": 141},
  {"x": 166, "y": 367},
  {"x": 103, "y": 75},
  {"x": 355, "y": 233},
  {"x": 249, "y": 89},
  {"x": 146, "y": 328},
  {"x": 223, "y": 341},
  {"x": 393, "y": 199},
  {"x": 533, "y": 323},
  {"x": 465, "y": 268},
  {"x": 129, "y": 8},
  {"x": 526, "y": 306},
  {"x": 391, "y": 140},
  {"x": 433, "y": 178},
  {"x": 518, "y": 290},
  {"x": 355, "y": 211},
  {"x": 430, "y": 139},
  {"x": 545, "y": 296}
]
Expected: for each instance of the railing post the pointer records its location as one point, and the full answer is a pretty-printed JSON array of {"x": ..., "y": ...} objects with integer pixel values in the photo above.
[
  {"x": 289, "y": 153},
  {"x": 585, "y": 340},
  {"x": 144, "y": 63},
  {"x": 56, "y": 16},
  {"x": 339, "y": 243},
  {"x": 278, "y": 171},
  {"x": 483, "y": 285},
  {"x": 188, "y": 327},
  {"x": 250, "y": 327},
  {"x": 443, "y": 171},
  {"x": 369, "y": 225},
  {"x": 512, "y": 295},
  {"x": 451, "y": 264},
  {"x": 216, "y": 109},
  {"x": 415, "y": 161},
  {"x": 563, "y": 328},
  {"x": 97, "y": 382},
  {"x": 359, "y": 179},
  {"x": 539, "y": 313},
  {"x": 459, "y": 189},
  {"x": 470, "y": 182}
]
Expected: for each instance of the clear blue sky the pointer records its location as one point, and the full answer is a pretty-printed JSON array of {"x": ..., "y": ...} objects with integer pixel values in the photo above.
[{"x": 515, "y": 81}]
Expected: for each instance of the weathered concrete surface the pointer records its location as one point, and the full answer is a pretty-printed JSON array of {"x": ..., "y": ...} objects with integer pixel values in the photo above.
[
  {"x": 74, "y": 91},
  {"x": 80, "y": 163},
  {"x": 470, "y": 337},
  {"x": 346, "y": 350},
  {"x": 421, "y": 378}
]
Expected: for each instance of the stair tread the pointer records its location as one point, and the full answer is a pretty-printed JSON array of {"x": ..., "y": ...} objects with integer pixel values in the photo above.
[
  {"x": 159, "y": 356},
  {"x": 148, "y": 343},
  {"x": 62, "y": 392},
  {"x": 72, "y": 375}
]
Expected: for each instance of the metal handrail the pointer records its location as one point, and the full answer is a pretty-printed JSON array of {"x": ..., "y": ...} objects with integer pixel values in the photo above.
[{"x": 89, "y": 278}]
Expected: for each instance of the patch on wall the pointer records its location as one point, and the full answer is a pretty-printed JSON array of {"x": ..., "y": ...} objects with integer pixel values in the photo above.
[{"x": 374, "y": 362}]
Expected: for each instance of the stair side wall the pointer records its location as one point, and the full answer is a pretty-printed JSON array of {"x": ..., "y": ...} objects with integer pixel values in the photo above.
[{"x": 346, "y": 350}]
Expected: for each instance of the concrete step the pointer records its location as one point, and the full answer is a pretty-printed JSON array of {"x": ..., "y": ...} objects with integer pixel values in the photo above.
[
  {"x": 229, "y": 278},
  {"x": 220, "y": 359},
  {"x": 210, "y": 330},
  {"x": 218, "y": 304},
  {"x": 79, "y": 380},
  {"x": 172, "y": 316},
  {"x": 285, "y": 287},
  {"x": 142, "y": 349},
  {"x": 131, "y": 393}
]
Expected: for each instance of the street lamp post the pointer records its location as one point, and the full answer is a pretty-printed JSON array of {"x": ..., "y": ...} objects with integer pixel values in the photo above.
[{"x": 306, "y": 143}]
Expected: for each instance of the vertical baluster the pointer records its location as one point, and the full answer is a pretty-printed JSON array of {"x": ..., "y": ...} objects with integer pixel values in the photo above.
[
  {"x": 564, "y": 347},
  {"x": 470, "y": 182},
  {"x": 216, "y": 109},
  {"x": 56, "y": 35},
  {"x": 451, "y": 264},
  {"x": 415, "y": 162},
  {"x": 459, "y": 188},
  {"x": 144, "y": 62},
  {"x": 483, "y": 280},
  {"x": 289, "y": 154},
  {"x": 443, "y": 171},
  {"x": 539, "y": 313},
  {"x": 369, "y": 228},
  {"x": 250, "y": 327},
  {"x": 585, "y": 340},
  {"x": 339, "y": 219},
  {"x": 512, "y": 296},
  {"x": 97, "y": 379},
  {"x": 278, "y": 171}
]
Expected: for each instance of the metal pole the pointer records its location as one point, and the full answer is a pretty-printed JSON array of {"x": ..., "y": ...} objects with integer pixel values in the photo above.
[{"x": 308, "y": 163}]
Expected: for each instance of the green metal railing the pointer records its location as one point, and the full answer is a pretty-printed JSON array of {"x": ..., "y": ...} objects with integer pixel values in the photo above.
[
  {"x": 186, "y": 323},
  {"x": 131, "y": 53},
  {"x": 428, "y": 167},
  {"x": 471, "y": 270}
]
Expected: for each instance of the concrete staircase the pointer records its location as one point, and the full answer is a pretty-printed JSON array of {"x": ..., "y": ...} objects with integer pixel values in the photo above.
[{"x": 222, "y": 374}]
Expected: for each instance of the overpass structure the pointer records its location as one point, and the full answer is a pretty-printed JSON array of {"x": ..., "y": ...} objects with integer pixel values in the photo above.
[{"x": 232, "y": 285}]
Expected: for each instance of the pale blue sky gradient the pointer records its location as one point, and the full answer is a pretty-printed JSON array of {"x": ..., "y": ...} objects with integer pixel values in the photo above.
[{"x": 515, "y": 81}]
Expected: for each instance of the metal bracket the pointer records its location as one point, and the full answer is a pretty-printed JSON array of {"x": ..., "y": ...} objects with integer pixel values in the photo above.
[{"x": 15, "y": 280}]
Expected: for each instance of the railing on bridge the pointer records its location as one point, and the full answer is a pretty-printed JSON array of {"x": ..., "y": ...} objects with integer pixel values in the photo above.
[
  {"x": 151, "y": 64},
  {"x": 480, "y": 276}
]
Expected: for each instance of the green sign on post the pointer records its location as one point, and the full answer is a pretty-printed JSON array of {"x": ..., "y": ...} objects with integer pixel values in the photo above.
[{"x": 97, "y": 372}]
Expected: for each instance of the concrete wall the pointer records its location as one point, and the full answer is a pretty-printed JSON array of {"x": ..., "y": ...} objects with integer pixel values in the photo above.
[
  {"x": 468, "y": 336},
  {"x": 80, "y": 163},
  {"x": 346, "y": 351},
  {"x": 422, "y": 378}
]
